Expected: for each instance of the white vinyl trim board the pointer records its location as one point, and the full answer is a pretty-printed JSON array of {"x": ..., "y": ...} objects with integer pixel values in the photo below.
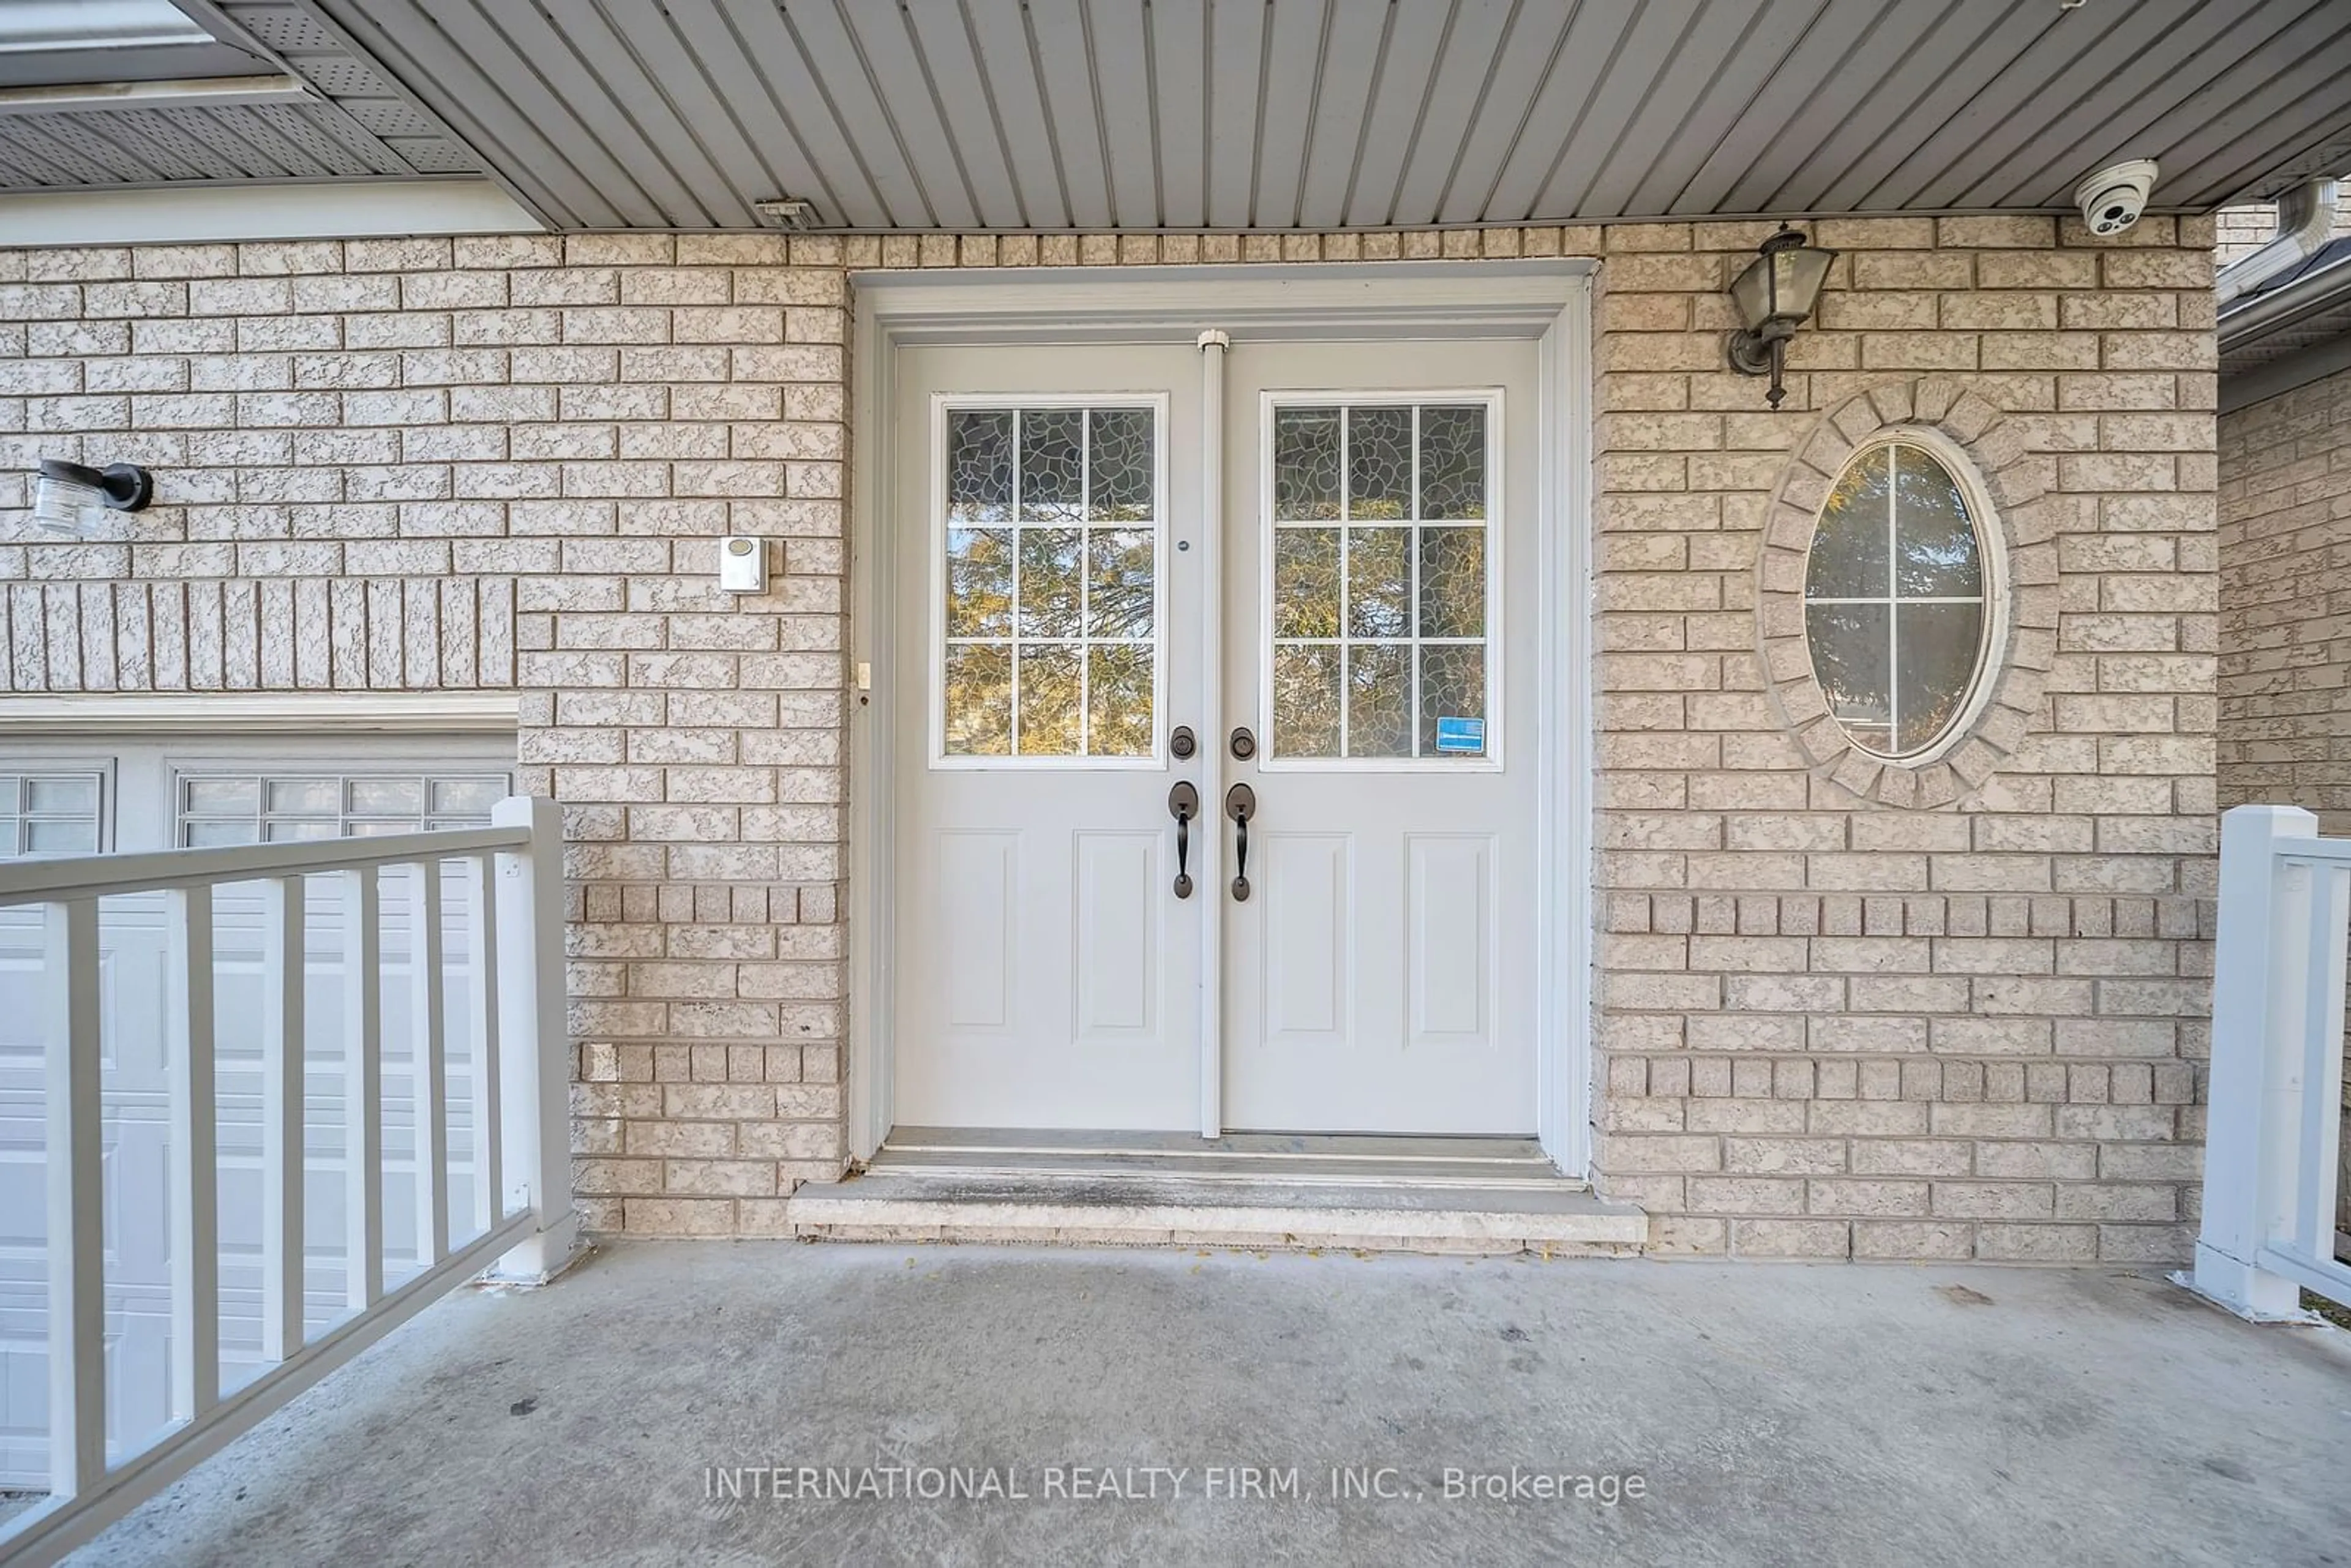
[
  {"x": 218, "y": 713},
  {"x": 341, "y": 209}
]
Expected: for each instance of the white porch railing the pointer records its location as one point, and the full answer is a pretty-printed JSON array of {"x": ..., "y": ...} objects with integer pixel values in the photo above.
[
  {"x": 2273, "y": 1137},
  {"x": 511, "y": 877}
]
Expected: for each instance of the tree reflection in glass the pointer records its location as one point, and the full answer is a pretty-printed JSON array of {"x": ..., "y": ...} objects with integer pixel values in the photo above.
[
  {"x": 1051, "y": 611},
  {"x": 1381, "y": 600},
  {"x": 1894, "y": 612}
]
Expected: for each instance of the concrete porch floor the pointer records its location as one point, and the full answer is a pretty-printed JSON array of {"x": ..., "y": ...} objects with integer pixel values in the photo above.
[{"x": 1812, "y": 1414}]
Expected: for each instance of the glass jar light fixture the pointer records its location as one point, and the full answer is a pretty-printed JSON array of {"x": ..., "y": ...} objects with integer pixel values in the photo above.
[
  {"x": 71, "y": 501},
  {"x": 1775, "y": 295}
]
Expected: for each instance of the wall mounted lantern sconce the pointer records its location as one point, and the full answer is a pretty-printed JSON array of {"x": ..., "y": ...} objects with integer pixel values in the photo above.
[
  {"x": 71, "y": 500},
  {"x": 1775, "y": 295}
]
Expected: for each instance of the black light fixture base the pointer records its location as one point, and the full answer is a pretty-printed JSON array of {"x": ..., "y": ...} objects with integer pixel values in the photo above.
[
  {"x": 127, "y": 486},
  {"x": 1749, "y": 353}
]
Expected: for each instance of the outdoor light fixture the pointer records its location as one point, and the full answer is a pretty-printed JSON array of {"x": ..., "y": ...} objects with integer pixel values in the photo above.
[
  {"x": 1775, "y": 295},
  {"x": 786, "y": 212},
  {"x": 72, "y": 500}
]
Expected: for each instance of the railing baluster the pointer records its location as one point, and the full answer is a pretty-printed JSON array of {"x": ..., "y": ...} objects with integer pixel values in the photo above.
[
  {"x": 489, "y": 1173},
  {"x": 2322, "y": 1065},
  {"x": 195, "y": 1154},
  {"x": 77, "y": 1237},
  {"x": 429, "y": 1057},
  {"x": 362, "y": 1088},
  {"x": 283, "y": 955},
  {"x": 532, "y": 1041}
]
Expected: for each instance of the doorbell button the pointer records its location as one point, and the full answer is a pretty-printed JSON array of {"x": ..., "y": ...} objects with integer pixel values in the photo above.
[{"x": 743, "y": 564}]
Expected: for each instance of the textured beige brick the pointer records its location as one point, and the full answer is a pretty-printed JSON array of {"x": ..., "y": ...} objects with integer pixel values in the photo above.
[
  {"x": 1874, "y": 990},
  {"x": 1792, "y": 1238},
  {"x": 678, "y": 1215}
]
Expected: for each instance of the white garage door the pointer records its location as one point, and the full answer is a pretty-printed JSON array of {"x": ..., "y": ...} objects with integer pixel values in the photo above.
[{"x": 78, "y": 797}]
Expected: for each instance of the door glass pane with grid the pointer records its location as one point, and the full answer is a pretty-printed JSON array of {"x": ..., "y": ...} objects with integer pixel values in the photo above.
[
  {"x": 1380, "y": 586},
  {"x": 1052, "y": 546}
]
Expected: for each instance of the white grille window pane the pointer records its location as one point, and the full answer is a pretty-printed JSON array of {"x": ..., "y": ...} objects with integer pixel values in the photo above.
[
  {"x": 50, "y": 814},
  {"x": 384, "y": 797},
  {"x": 243, "y": 809},
  {"x": 304, "y": 797},
  {"x": 62, "y": 837},
  {"x": 213, "y": 796},
  {"x": 212, "y": 835},
  {"x": 74, "y": 796},
  {"x": 468, "y": 796}
]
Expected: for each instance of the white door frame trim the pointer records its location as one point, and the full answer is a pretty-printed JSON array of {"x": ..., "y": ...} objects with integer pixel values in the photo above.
[{"x": 1546, "y": 301}]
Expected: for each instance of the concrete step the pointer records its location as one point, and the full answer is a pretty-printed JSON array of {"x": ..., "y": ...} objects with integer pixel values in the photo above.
[
  {"x": 1278, "y": 1159},
  {"x": 1071, "y": 1204}
]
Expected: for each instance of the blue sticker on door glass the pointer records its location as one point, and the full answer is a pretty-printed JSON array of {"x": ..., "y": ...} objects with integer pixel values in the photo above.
[{"x": 1461, "y": 735}]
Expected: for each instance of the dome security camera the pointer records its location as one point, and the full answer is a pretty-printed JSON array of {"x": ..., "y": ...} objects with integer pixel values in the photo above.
[{"x": 2111, "y": 199}]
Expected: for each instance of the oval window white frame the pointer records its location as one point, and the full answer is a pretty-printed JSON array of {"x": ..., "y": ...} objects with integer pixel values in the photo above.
[{"x": 1992, "y": 540}]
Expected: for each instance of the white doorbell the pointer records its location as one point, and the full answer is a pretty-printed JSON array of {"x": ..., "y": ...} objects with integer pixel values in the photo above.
[{"x": 743, "y": 564}]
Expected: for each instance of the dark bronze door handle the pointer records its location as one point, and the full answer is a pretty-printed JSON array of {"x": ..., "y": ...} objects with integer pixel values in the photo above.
[
  {"x": 1182, "y": 804},
  {"x": 1241, "y": 804}
]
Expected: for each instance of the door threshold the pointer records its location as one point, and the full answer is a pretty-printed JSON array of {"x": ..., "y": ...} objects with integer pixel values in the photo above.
[{"x": 1259, "y": 1191}]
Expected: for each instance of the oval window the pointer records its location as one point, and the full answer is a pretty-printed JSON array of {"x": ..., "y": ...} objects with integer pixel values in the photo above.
[{"x": 1897, "y": 613}]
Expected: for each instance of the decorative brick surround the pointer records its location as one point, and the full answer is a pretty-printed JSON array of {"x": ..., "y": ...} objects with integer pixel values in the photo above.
[
  {"x": 1833, "y": 1023},
  {"x": 2019, "y": 664}
]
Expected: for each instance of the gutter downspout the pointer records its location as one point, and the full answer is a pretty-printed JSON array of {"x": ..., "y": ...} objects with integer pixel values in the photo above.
[{"x": 2305, "y": 219}]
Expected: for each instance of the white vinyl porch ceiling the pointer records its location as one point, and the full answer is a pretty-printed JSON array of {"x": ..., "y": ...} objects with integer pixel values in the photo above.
[{"x": 1279, "y": 114}]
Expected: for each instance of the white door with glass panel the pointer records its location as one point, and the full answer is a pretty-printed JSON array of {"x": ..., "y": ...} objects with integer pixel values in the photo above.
[{"x": 1369, "y": 847}]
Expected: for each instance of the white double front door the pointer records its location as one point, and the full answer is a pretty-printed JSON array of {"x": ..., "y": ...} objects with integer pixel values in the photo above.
[{"x": 1359, "y": 953}]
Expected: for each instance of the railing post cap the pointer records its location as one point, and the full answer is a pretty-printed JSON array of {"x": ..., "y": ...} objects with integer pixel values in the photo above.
[
  {"x": 2246, "y": 826},
  {"x": 533, "y": 812}
]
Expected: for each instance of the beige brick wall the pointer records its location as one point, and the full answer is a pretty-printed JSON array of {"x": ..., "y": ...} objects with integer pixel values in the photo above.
[
  {"x": 1855, "y": 1011},
  {"x": 498, "y": 463},
  {"x": 2285, "y": 602},
  {"x": 1950, "y": 1017}
]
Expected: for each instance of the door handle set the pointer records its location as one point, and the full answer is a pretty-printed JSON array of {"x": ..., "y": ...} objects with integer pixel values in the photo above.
[
  {"x": 1241, "y": 805},
  {"x": 1183, "y": 805}
]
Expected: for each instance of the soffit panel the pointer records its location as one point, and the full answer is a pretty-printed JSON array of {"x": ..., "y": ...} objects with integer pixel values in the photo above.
[
  {"x": 354, "y": 124},
  {"x": 1282, "y": 114}
]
